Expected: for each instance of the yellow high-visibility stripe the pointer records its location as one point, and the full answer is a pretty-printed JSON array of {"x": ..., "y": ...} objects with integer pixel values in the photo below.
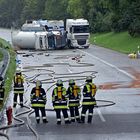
[
  {"x": 18, "y": 92},
  {"x": 88, "y": 103},
  {"x": 76, "y": 104},
  {"x": 60, "y": 107},
  {"x": 38, "y": 105},
  {"x": 18, "y": 88}
]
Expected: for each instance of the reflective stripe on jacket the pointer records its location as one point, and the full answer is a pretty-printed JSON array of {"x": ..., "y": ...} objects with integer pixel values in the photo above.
[
  {"x": 18, "y": 90},
  {"x": 38, "y": 105},
  {"x": 60, "y": 105}
]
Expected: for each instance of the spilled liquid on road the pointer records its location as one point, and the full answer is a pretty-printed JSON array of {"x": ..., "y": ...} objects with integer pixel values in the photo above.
[{"x": 135, "y": 83}]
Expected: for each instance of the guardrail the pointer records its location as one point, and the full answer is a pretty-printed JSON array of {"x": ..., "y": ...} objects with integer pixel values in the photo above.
[
  {"x": 5, "y": 62},
  {"x": 3, "y": 69}
]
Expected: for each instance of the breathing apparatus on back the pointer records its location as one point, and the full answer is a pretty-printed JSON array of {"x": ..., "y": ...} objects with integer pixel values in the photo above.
[{"x": 38, "y": 86}]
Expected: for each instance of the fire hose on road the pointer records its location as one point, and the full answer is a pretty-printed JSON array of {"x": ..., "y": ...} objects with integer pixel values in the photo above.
[
  {"x": 16, "y": 118},
  {"x": 53, "y": 77}
]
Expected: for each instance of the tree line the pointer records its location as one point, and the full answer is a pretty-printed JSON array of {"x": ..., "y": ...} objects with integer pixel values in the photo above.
[{"x": 103, "y": 15}]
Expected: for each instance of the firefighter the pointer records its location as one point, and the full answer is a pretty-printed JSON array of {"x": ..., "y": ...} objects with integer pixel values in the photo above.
[
  {"x": 38, "y": 101},
  {"x": 59, "y": 100},
  {"x": 89, "y": 101},
  {"x": 18, "y": 88},
  {"x": 2, "y": 90},
  {"x": 74, "y": 94}
]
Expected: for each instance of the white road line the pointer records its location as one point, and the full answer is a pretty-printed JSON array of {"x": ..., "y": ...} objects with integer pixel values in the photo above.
[
  {"x": 113, "y": 66},
  {"x": 69, "y": 70},
  {"x": 100, "y": 115}
]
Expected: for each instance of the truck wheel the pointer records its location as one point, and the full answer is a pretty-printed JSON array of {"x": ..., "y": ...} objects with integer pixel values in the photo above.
[{"x": 86, "y": 47}]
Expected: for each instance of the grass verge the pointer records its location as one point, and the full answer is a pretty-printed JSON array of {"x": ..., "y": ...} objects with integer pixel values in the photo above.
[
  {"x": 11, "y": 68},
  {"x": 121, "y": 42}
]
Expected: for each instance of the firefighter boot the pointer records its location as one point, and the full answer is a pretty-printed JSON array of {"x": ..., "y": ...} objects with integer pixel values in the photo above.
[
  {"x": 89, "y": 119},
  {"x": 78, "y": 120},
  {"x": 45, "y": 121},
  {"x": 67, "y": 122},
  {"x": 21, "y": 104},
  {"x": 73, "y": 120},
  {"x": 38, "y": 121},
  {"x": 58, "y": 122},
  {"x": 14, "y": 105},
  {"x": 82, "y": 119}
]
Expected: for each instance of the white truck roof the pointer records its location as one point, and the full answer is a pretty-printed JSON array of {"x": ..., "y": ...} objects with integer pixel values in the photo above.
[
  {"x": 56, "y": 24},
  {"x": 80, "y": 21}
]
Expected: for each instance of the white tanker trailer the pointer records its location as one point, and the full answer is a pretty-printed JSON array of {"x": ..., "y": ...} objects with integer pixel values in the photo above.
[
  {"x": 38, "y": 36},
  {"x": 30, "y": 40},
  {"x": 24, "y": 40}
]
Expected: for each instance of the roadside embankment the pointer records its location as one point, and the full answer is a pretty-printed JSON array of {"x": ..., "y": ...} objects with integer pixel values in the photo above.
[
  {"x": 121, "y": 42},
  {"x": 8, "y": 77}
]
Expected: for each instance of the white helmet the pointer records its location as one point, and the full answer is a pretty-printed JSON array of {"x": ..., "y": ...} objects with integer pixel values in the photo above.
[
  {"x": 89, "y": 79},
  {"x": 18, "y": 71},
  {"x": 71, "y": 82},
  {"x": 59, "y": 83},
  {"x": 38, "y": 83}
]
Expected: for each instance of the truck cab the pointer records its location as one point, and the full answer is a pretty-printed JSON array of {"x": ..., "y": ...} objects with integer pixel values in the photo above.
[{"x": 77, "y": 33}]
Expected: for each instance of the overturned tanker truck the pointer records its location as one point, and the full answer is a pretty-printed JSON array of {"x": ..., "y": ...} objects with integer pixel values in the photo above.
[
  {"x": 40, "y": 35},
  {"x": 50, "y": 34}
]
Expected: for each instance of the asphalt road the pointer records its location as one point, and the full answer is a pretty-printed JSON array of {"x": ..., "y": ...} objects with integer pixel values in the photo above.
[
  {"x": 118, "y": 122},
  {"x": 117, "y": 80},
  {"x": 5, "y": 34}
]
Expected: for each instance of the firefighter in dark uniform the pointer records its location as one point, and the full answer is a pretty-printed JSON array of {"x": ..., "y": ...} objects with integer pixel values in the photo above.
[
  {"x": 74, "y": 94},
  {"x": 18, "y": 88},
  {"x": 2, "y": 90},
  {"x": 59, "y": 100},
  {"x": 38, "y": 101},
  {"x": 89, "y": 101}
]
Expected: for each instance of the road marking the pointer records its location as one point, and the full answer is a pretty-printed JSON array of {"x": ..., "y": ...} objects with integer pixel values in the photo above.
[
  {"x": 69, "y": 70},
  {"x": 100, "y": 115},
  {"x": 113, "y": 66}
]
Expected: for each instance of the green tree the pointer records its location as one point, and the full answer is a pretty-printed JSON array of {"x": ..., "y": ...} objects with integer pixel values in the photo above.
[
  {"x": 134, "y": 16},
  {"x": 32, "y": 10},
  {"x": 10, "y": 12},
  {"x": 75, "y": 8},
  {"x": 55, "y": 9}
]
